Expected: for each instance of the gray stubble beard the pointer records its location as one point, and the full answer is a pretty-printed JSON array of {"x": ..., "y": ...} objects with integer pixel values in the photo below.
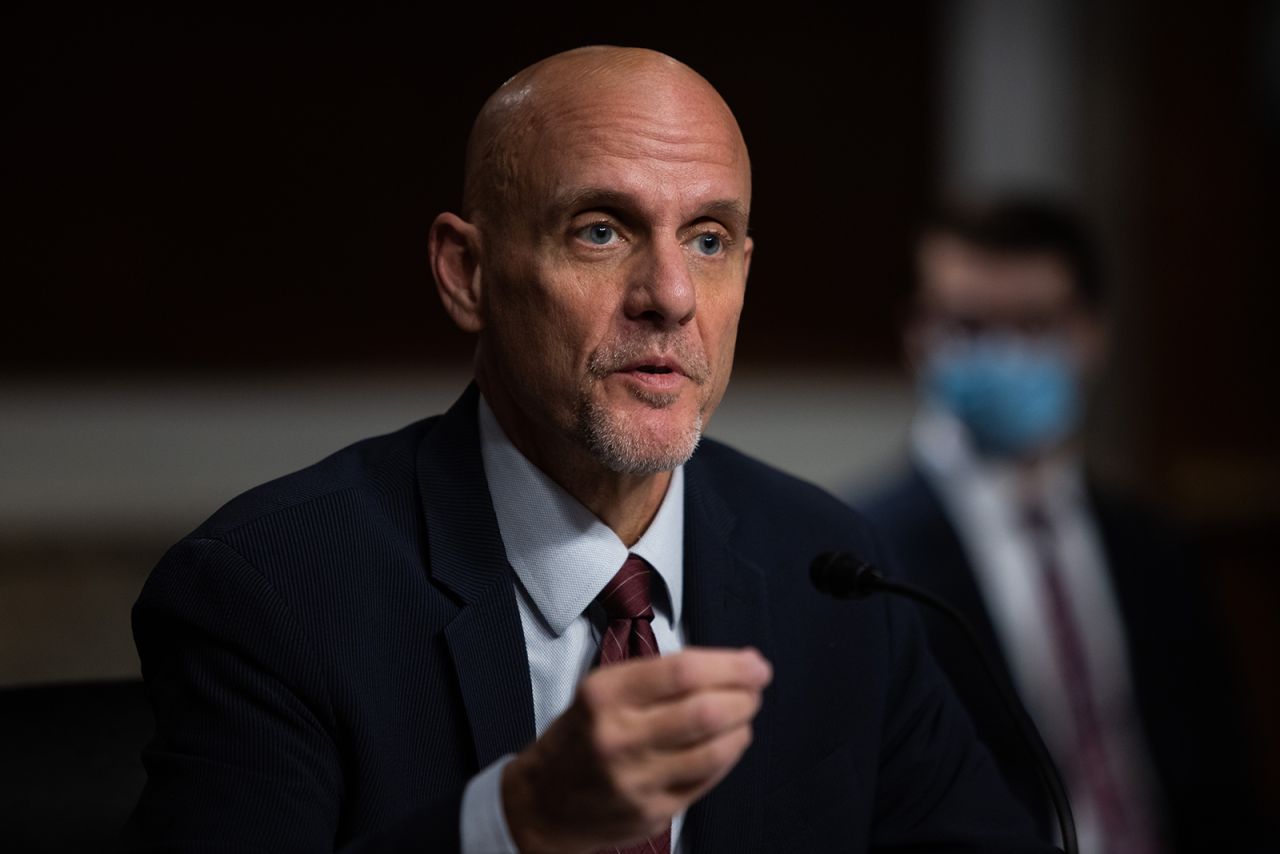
[
  {"x": 617, "y": 448},
  {"x": 605, "y": 433}
]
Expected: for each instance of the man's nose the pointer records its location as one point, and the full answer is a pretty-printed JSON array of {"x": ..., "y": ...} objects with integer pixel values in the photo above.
[{"x": 662, "y": 290}]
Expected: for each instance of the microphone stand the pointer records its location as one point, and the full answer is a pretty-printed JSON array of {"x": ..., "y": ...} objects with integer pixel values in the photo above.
[{"x": 869, "y": 579}]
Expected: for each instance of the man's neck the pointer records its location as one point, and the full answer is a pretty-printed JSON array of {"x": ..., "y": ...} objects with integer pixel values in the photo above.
[{"x": 627, "y": 503}]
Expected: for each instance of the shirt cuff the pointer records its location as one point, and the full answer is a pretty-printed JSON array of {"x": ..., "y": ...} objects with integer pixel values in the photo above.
[{"x": 484, "y": 823}]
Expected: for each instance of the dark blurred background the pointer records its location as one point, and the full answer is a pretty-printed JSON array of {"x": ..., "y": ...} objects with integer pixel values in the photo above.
[{"x": 214, "y": 256}]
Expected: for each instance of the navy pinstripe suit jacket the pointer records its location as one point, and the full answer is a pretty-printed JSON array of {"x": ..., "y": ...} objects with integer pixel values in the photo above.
[{"x": 334, "y": 654}]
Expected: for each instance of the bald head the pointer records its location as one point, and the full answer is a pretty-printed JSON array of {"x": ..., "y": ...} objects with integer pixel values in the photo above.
[{"x": 522, "y": 118}]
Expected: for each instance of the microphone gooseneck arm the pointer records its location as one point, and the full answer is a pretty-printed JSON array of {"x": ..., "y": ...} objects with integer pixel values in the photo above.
[{"x": 846, "y": 576}]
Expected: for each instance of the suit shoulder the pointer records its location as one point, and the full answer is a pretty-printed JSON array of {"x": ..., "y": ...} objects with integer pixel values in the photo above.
[
  {"x": 376, "y": 464},
  {"x": 903, "y": 500},
  {"x": 755, "y": 489}
]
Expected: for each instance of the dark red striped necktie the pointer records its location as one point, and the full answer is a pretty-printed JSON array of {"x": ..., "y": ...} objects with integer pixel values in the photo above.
[{"x": 629, "y": 606}]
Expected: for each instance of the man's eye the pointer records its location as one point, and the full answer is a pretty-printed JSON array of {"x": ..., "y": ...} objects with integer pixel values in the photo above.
[
  {"x": 598, "y": 234},
  {"x": 709, "y": 244}
]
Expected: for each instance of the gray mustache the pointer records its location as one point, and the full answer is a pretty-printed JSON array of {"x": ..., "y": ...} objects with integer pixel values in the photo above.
[{"x": 685, "y": 352}]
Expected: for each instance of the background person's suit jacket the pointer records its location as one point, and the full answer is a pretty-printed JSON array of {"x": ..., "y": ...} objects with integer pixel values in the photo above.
[
  {"x": 333, "y": 655},
  {"x": 1181, "y": 683}
]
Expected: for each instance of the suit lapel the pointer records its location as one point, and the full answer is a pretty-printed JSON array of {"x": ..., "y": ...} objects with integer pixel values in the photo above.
[
  {"x": 466, "y": 556},
  {"x": 725, "y": 606}
]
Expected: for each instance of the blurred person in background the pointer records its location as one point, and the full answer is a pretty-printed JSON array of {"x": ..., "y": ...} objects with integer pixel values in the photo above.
[{"x": 1096, "y": 606}]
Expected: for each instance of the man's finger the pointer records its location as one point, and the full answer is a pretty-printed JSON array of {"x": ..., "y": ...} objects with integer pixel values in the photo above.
[
  {"x": 648, "y": 680},
  {"x": 695, "y": 717},
  {"x": 705, "y": 764}
]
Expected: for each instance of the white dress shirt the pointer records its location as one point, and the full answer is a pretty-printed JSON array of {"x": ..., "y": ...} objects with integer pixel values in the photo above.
[
  {"x": 986, "y": 503},
  {"x": 563, "y": 556}
]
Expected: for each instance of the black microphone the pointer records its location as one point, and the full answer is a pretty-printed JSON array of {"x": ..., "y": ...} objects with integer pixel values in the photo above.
[{"x": 847, "y": 576}]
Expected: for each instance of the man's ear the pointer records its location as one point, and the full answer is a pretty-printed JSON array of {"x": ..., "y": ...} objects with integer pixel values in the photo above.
[{"x": 455, "y": 264}]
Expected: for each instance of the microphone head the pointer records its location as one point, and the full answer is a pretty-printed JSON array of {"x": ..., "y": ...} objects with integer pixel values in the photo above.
[{"x": 843, "y": 575}]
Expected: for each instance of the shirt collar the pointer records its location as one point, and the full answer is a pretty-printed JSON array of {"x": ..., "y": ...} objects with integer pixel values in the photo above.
[
  {"x": 561, "y": 552},
  {"x": 943, "y": 449}
]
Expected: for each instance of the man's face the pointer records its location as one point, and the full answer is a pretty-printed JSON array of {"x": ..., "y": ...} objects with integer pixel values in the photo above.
[
  {"x": 614, "y": 278},
  {"x": 1002, "y": 342}
]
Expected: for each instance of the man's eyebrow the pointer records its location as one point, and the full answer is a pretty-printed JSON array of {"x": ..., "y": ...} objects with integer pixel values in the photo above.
[
  {"x": 731, "y": 212},
  {"x": 589, "y": 198}
]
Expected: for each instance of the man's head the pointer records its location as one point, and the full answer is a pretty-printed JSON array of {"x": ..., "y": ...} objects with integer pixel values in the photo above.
[
  {"x": 1007, "y": 322},
  {"x": 601, "y": 257}
]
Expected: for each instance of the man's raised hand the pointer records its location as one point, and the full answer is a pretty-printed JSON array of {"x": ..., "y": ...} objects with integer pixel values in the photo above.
[{"x": 642, "y": 740}]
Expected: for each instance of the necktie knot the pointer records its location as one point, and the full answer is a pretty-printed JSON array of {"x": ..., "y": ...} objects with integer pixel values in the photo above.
[
  {"x": 626, "y": 603},
  {"x": 627, "y": 595}
]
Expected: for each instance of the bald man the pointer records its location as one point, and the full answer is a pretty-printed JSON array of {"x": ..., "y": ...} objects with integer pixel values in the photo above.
[{"x": 541, "y": 622}]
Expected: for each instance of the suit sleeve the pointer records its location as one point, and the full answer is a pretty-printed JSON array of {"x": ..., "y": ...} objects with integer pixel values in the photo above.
[
  {"x": 939, "y": 788},
  {"x": 248, "y": 754}
]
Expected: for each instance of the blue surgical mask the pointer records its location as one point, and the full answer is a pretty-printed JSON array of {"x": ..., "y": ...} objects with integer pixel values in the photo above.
[{"x": 1015, "y": 395}]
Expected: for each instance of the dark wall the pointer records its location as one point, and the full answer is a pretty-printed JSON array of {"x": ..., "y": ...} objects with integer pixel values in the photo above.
[
  {"x": 194, "y": 191},
  {"x": 1207, "y": 126}
]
